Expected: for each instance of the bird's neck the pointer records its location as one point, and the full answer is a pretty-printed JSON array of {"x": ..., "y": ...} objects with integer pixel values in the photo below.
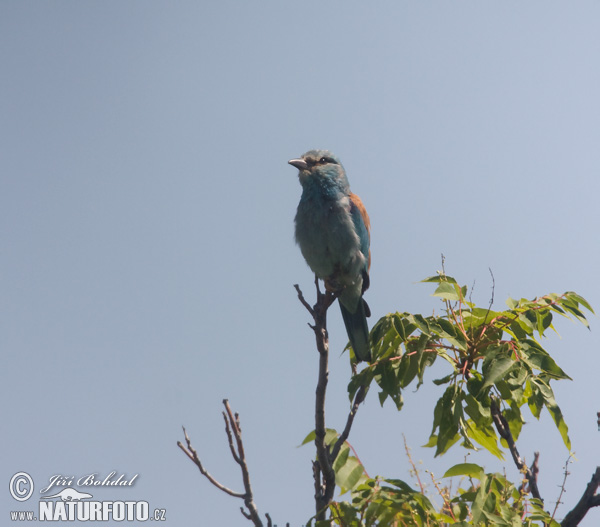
[{"x": 323, "y": 189}]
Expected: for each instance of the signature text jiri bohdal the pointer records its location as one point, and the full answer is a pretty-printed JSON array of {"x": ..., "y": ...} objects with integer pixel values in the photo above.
[{"x": 90, "y": 480}]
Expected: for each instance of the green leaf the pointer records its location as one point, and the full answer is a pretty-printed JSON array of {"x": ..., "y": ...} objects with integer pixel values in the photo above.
[
  {"x": 514, "y": 419},
  {"x": 573, "y": 308},
  {"x": 495, "y": 369},
  {"x": 363, "y": 378},
  {"x": 538, "y": 358},
  {"x": 449, "y": 417},
  {"x": 349, "y": 474},
  {"x": 511, "y": 303},
  {"x": 398, "y": 324},
  {"x": 387, "y": 379},
  {"x": 579, "y": 299},
  {"x": 384, "y": 338},
  {"x": 308, "y": 439},
  {"x": 421, "y": 323},
  {"x": 431, "y": 442},
  {"x": 479, "y": 501},
  {"x": 535, "y": 400},
  {"x": 444, "y": 380},
  {"x": 448, "y": 291},
  {"x": 486, "y": 437},
  {"x": 439, "y": 278},
  {"x": 464, "y": 469},
  {"x": 477, "y": 411},
  {"x": 408, "y": 368},
  {"x": 554, "y": 410},
  {"x": 331, "y": 435}
]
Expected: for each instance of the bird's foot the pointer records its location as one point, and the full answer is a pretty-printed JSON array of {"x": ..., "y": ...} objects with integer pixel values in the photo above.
[{"x": 332, "y": 285}]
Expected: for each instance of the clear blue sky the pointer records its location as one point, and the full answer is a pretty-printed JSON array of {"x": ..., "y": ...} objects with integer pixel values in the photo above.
[{"x": 146, "y": 220}]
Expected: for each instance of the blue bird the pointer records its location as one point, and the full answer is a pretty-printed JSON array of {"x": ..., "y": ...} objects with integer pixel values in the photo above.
[{"x": 333, "y": 232}]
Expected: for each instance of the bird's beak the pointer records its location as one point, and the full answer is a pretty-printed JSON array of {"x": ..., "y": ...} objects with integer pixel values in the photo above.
[{"x": 300, "y": 164}]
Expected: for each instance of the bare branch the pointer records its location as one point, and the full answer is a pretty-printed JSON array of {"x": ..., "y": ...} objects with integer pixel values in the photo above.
[
  {"x": 234, "y": 421},
  {"x": 505, "y": 433},
  {"x": 325, "y": 465},
  {"x": 323, "y": 472},
  {"x": 588, "y": 500},
  {"x": 492, "y": 298},
  {"x": 193, "y": 455},
  {"x": 230, "y": 439},
  {"x": 303, "y": 301},
  {"x": 562, "y": 487},
  {"x": 358, "y": 398},
  {"x": 234, "y": 432},
  {"x": 414, "y": 467}
]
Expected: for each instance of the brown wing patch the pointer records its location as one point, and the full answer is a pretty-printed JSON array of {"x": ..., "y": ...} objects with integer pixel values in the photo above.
[{"x": 363, "y": 212}]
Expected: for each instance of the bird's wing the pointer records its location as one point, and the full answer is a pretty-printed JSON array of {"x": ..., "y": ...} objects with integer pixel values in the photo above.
[{"x": 362, "y": 224}]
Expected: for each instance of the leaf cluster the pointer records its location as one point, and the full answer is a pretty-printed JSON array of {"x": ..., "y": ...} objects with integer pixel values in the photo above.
[
  {"x": 495, "y": 357},
  {"x": 497, "y": 367}
]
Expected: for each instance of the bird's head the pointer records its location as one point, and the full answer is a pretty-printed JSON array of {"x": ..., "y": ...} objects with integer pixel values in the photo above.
[{"x": 321, "y": 168}]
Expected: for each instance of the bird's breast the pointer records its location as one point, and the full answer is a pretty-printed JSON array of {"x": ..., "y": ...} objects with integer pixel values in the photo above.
[{"x": 327, "y": 238}]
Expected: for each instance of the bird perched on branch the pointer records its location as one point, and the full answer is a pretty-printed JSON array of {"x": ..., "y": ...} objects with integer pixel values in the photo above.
[{"x": 332, "y": 230}]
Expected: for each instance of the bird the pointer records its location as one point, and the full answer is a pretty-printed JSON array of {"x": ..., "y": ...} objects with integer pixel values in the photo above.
[{"x": 332, "y": 228}]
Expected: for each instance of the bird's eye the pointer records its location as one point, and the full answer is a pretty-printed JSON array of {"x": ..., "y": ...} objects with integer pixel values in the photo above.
[{"x": 325, "y": 160}]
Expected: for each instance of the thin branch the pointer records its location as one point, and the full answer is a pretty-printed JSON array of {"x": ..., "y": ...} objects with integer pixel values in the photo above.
[
  {"x": 505, "y": 433},
  {"x": 562, "y": 487},
  {"x": 234, "y": 432},
  {"x": 323, "y": 473},
  {"x": 241, "y": 460},
  {"x": 491, "y": 299},
  {"x": 303, "y": 301},
  {"x": 588, "y": 500},
  {"x": 414, "y": 467},
  {"x": 444, "y": 496},
  {"x": 358, "y": 398},
  {"x": 230, "y": 439},
  {"x": 193, "y": 455}
]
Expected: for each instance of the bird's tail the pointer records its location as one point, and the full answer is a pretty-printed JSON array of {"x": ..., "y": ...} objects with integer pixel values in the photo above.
[{"x": 358, "y": 330}]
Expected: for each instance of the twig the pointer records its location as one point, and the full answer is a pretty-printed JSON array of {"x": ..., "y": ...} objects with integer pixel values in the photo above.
[
  {"x": 303, "y": 301},
  {"x": 588, "y": 500},
  {"x": 193, "y": 455},
  {"x": 230, "y": 439},
  {"x": 505, "y": 433},
  {"x": 447, "y": 504},
  {"x": 492, "y": 298},
  {"x": 234, "y": 431},
  {"x": 358, "y": 398},
  {"x": 414, "y": 467},
  {"x": 562, "y": 487}
]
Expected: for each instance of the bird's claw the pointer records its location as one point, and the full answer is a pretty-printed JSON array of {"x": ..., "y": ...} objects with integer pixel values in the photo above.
[{"x": 332, "y": 285}]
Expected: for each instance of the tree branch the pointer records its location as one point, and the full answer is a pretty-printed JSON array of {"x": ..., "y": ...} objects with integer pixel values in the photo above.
[
  {"x": 323, "y": 473},
  {"x": 563, "y": 486},
  {"x": 323, "y": 469},
  {"x": 588, "y": 500},
  {"x": 505, "y": 433},
  {"x": 234, "y": 431},
  {"x": 193, "y": 455},
  {"x": 358, "y": 398}
]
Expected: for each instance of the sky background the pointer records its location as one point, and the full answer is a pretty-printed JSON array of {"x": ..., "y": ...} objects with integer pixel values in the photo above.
[{"x": 146, "y": 222}]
